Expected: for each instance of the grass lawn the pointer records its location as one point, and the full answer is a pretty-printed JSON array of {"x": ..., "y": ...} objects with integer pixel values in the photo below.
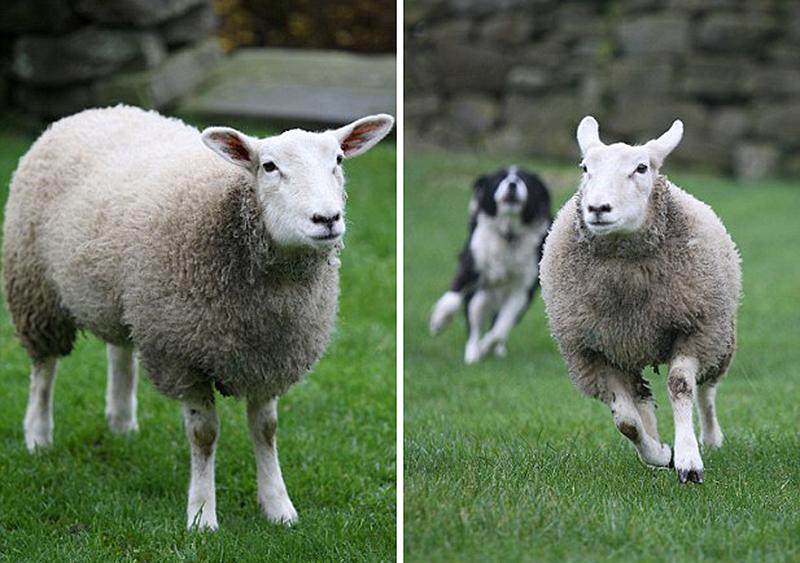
[
  {"x": 97, "y": 497},
  {"x": 506, "y": 461}
]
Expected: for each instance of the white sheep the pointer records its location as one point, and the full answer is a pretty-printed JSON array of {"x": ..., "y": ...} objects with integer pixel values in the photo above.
[
  {"x": 218, "y": 272},
  {"x": 637, "y": 272}
]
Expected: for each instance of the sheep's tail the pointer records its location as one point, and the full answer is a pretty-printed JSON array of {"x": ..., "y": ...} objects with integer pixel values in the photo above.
[{"x": 445, "y": 309}]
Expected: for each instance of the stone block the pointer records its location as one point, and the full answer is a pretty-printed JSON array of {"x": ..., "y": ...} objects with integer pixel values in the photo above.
[
  {"x": 719, "y": 79},
  {"x": 474, "y": 68},
  {"x": 83, "y": 55},
  {"x": 139, "y": 13},
  {"x": 779, "y": 122},
  {"x": 792, "y": 22},
  {"x": 635, "y": 80},
  {"x": 778, "y": 81},
  {"x": 754, "y": 161},
  {"x": 473, "y": 114},
  {"x": 635, "y": 121},
  {"x": 700, "y": 6},
  {"x": 195, "y": 25},
  {"x": 541, "y": 125},
  {"x": 51, "y": 103},
  {"x": 421, "y": 107},
  {"x": 729, "y": 124},
  {"x": 508, "y": 29},
  {"x": 36, "y": 16},
  {"x": 487, "y": 7},
  {"x": 449, "y": 32},
  {"x": 655, "y": 34},
  {"x": 179, "y": 75},
  {"x": 698, "y": 150},
  {"x": 529, "y": 80},
  {"x": 550, "y": 55},
  {"x": 735, "y": 32}
]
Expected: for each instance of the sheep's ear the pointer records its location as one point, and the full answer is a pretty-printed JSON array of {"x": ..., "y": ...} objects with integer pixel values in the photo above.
[
  {"x": 232, "y": 145},
  {"x": 660, "y": 148},
  {"x": 363, "y": 134},
  {"x": 588, "y": 134}
]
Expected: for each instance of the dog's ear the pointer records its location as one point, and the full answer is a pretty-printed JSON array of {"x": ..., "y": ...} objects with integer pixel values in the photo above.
[
  {"x": 479, "y": 183},
  {"x": 484, "y": 195},
  {"x": 538, "y": 202}
]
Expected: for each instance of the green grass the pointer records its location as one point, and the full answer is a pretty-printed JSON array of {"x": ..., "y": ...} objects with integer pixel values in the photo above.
[
  {"x": 506, "y": 461},
  {"x": 97, "y": 497}
]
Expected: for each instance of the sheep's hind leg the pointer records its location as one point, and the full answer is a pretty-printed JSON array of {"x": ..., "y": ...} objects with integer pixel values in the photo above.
[
  {"x": 202, "y": 428},
  {"x": 121, "y": 389},
  {"x": 629, "y": 422},
  {"x": 39, "y": 414},
  {"x": 262, "y": 417},
  {"x": 681, "y": 384},
  {"x": 710, "y": 433}
]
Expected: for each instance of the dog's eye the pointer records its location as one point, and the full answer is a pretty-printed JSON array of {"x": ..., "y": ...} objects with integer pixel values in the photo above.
[
  {"x": 583, "y": 167},
  {"x": 339, "y": 159},
  {"x": 641, "y": 169},
  {"x": 269, "y": 166}
]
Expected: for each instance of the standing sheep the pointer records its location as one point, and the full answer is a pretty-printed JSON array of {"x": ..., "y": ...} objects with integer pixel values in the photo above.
[
  {"x": 219, "y": 272},
  {"x": 637, "y": 272}
]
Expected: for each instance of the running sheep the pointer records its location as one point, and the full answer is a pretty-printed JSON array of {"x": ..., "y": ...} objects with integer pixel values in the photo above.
[
  {"x": 219, "y": 269},
  {"x": 637, "y": 272}
]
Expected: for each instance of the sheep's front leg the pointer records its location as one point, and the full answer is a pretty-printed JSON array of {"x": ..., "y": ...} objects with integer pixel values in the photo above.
[
  {"x": 39, "y": 414},
  {"x": 202, "y": 428},
  {"x": 476, "y": 315},
  {"x": 262, "y": 417},
  {"x": 495, "y": 339},
  {"x": 629, "y": 422},
  {"x": 710, "y": 432},
  {"x": 121, "y": 389},
  {"x": 681, "y": 384}
]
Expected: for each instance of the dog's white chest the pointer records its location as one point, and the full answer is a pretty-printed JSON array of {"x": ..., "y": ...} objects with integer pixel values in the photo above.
[{"x": 504, "y": 260}]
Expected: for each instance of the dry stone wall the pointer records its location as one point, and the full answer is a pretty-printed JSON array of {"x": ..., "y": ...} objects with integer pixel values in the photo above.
[
  {"x": 57, "y": 57},
  {"x": 515, "y": 76}
]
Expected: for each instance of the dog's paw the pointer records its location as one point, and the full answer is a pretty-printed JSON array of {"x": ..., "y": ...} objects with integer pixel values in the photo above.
[{"x": 472, "y": 354}]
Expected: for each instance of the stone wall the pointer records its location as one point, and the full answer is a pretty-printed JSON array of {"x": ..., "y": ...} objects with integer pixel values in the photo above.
[
  {"x": 59, "y": 56},
  {"x": 515, "y": 76}
]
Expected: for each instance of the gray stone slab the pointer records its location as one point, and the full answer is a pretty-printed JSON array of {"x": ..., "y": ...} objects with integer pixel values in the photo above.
[{"x": 301, "y": 86}]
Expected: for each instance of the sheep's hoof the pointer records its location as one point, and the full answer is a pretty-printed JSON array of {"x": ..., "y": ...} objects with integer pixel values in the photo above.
[{"x": 690, "y": 475}]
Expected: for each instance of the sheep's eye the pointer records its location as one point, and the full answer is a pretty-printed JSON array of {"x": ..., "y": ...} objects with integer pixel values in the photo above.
[
  {"x": 339, "y": 158},
  {"x": 583, "y": 167},
  {"x": 641, "y": 169},
  {"x": 269, "y": 166}
]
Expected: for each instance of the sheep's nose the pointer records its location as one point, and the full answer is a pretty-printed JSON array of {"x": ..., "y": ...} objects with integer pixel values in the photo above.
[
  {"x": 605, "y": 208},
  {"x": 328, "y": 220}
]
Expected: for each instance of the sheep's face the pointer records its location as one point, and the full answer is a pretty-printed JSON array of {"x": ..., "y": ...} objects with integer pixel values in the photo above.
[
  {"x": 299, "y": 178},
  {"x": 618, "y": 179}
]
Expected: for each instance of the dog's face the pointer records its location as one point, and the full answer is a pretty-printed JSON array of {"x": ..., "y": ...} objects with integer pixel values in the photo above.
[{"x": 511, "y": 192}]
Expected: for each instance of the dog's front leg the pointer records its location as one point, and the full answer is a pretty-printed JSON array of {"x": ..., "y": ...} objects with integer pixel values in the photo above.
[{"x": 477, "y": 309}]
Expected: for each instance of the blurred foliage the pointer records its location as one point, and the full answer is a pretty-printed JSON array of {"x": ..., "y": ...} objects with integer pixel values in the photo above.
[{"x": 353, "y": 25}]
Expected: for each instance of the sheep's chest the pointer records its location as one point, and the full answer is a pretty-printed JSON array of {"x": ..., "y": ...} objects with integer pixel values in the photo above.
[
  {"x": 277, "y": 336},
  {"x": 630, "y": 318}
]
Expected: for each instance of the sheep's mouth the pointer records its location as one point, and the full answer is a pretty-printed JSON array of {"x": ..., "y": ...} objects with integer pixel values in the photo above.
[{"x": 601, "y": 223}]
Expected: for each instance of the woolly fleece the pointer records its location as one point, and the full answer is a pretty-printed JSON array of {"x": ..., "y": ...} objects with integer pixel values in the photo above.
[
  {"x": 622, "y": 303},
  {"x": 123, "y": 223}
]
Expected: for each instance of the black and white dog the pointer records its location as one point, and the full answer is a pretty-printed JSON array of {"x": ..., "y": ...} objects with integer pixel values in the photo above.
[{"x": 499, "y": 266}]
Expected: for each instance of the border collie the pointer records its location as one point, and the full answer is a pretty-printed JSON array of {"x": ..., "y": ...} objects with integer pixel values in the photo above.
[{"x": 499, "y": 266}]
